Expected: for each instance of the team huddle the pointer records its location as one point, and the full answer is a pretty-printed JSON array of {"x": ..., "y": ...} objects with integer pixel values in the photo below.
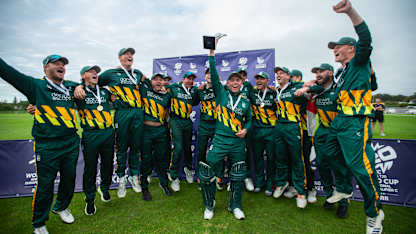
[{"x": 152, "y": 120}]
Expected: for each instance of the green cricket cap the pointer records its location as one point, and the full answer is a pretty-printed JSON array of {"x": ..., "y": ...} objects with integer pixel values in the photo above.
[
  {"x": 124, "y": 50},
  {"x": 323, "y": 66},
  {"x": 262, "y": 74},
  {"x": 53, "y": 58},
  {"x": 188, "y": 74},
  {"x": 284, "y": 69},
  {"x": 167, "y": 77},
  {"x": 236, "y": 73},
  {"x": 296, "y": 72},
  {"x": 242, "y": 70},
  {"x": 87, "y": 68},
  {"x": 342, "y": 41},
  {"x": 157, "y": 74}
]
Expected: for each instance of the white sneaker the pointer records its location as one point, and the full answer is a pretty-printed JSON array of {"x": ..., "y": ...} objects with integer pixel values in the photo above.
[
  {"x": 312, "y": 196},
  {"x": 41, "y": 230},
  {"x": 121, "y": 190},
  {"x": 291, "y": 192},
  {"x": 257, "y": 190},
  {"x": 189, "y": 175},
  {"x": 208, "y": 214},
  {"x": 279, "y": 190},
  {"x": 175, "y": 185},
  {"x": 382, "y": 134},
  {"x": 374, "y": 225},
  {"x": 249, "y": 184},
  {"x": 238, "y": 214},
  {"x": 337, "y": 196},
  {"x": 65, "y": 215},
  {"x": 268, "y": 193},
  {"x": 134, "y": 181},
  {"x": 301, "y": 201}
]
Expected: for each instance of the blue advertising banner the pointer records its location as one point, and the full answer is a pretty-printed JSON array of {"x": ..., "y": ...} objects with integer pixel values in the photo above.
[{"x": 395, "y": 163}]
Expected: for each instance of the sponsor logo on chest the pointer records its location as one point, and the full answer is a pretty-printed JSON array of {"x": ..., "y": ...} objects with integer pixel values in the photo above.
[
  {"x": 324, "y": 101},
  {"x": 60, "y": 97},
  {"x": 151, "y": 94},
  {"x": 126, "y": 80}
]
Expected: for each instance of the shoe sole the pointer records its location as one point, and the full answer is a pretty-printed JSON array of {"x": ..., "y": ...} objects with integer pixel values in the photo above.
[
  {"x": 102, "y": 196},
  {"x": 56, "y": 212},
  {"x": 283, "y": 190},
  {"x": 134, "y": 189},
  {"x": 86, "y": 213}
]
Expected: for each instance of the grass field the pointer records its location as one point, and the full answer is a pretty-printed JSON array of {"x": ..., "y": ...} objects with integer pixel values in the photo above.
[
  {"x": 183, "y": 212},
  {"x": 16, "y": 126}
]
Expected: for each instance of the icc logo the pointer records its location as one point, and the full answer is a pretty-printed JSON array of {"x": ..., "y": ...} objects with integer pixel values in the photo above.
[
  {"x": 260, "y": 63},
  {"x": 385, "y": 155},
  {"x": 162, "y": 67},
  {"x": 207, "y": 63},
  {"x": 242, "y": 61},
  {"x": 178, "y": 67}
]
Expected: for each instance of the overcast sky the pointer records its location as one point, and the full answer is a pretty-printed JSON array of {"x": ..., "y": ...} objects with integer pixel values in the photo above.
[{"x": 92, "y": 32}]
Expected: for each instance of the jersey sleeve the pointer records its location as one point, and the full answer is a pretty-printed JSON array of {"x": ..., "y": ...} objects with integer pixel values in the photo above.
[
  {"x": 25, "y": 84},
  {"x": 248, "y": 121},
  {"x": 363, "y": 47},
  {"x": 104, "y": 78},
  {"x": 215, "y": 79}
]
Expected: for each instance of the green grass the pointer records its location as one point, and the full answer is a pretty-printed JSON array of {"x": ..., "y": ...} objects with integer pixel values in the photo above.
[
  {"x": 183, "y": 213},
  {"x": 16, "y": 126}
]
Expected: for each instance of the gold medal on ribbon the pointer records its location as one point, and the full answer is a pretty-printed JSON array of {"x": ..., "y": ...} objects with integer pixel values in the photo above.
[
  {"x": 262, "y": 105},
  {"x": 100, "y": 108}
]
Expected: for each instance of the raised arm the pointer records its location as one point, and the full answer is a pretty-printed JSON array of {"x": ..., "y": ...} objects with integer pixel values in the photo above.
[
  {"x": 363, "y": 47},
  {"x": 25, "y": 84},
  {"x": 215, "y": 79}
]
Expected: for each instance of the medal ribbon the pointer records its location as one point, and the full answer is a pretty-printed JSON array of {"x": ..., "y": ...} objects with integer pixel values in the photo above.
[
  {"x": 61, "y": 88},
  {"x": 98, "y": 96}
]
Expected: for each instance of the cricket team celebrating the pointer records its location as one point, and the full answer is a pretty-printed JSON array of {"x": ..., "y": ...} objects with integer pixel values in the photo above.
[{"x": 237, "y": 118}]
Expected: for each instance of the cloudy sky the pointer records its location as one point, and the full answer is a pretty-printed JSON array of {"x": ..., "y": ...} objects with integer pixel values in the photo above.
[{"x": 92, "y": 32}]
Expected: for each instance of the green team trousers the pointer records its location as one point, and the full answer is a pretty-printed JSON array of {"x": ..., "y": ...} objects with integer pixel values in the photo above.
[
  {"x": 288, "y": 145},
  {"x": 307, "y": 148},
  {"x": 323, "y": 159},
  {"x": 263, "y": 140},
  {"x": 128, "y": 123},
  {"x": 155, "y": 154},
  {"x": 353, "y": 135},
  {"x": 51, "y": 156},
  {"x": 206, "y": 132},
  {"x": 234, "y": 148},
  {"x": 97, "y": 143},
  {"x": 181, "y": 130}
]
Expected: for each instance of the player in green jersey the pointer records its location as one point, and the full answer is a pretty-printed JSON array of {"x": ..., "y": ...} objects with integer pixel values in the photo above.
[
  {"x": 329, "y": 162},
  {"x": 123, "y": 82},
  {"x": 263, "y": 108},
  {"x": 308, "y": 125},
  {"x": 54, "y": 130},
  {"x": 97, "y": 137},
  {"x": 289, "y": 137},
  {"x": 155, "y": 142},
  {"x": 233, "y": 122},
  {"x": 245, "y": 90},
  {"x": 183, "y": 96}
]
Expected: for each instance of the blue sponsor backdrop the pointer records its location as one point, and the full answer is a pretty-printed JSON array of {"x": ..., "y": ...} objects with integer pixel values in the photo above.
[{"x": 395, "y": 164}]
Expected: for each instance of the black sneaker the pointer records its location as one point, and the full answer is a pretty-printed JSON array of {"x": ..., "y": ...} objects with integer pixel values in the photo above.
[
  {"x": 105, "y": 196},
  {"x": 328, "y": 206},
  {"x": 90, "y": 208},
  {"x": 146, "y": 195},
  {"x": 165, "y": 190},
  {"x": 342, "y": 212}
]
